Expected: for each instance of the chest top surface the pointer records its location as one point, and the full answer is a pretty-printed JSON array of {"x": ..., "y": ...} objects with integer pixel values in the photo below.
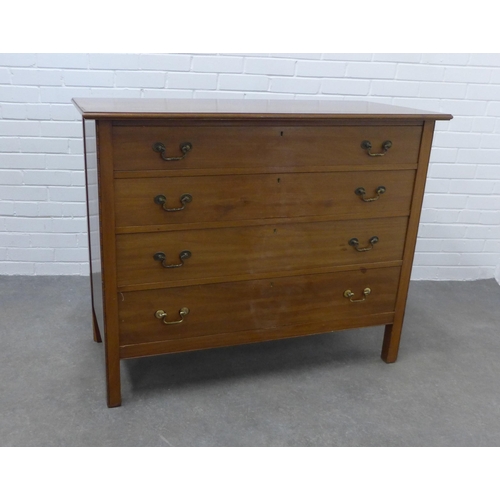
[{"x": 119, "y": 108}]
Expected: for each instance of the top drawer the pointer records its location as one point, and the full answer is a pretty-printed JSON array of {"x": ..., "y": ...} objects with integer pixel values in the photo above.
[{"x": 230, "y": 145}]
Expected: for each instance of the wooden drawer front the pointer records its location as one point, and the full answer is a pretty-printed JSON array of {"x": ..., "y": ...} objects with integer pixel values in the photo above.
[
  {"x": 239, "y": 251},
  {"x": 245, "y": 197},
  {"x": 262, "y": 146},
  {"x": 255, "y": 305}
]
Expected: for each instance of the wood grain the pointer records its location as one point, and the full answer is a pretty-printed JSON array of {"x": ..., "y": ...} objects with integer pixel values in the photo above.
[
  {"x": 108, "y": 253},
  {"x": 263, "y": 196},
  {"x": 392, "y": 336},
  {"x": 255, "y": 305},
  {"x": 251, "y": 336},
  {"x": 226, "y": 145},
  {"x": 228, "y": 252}
]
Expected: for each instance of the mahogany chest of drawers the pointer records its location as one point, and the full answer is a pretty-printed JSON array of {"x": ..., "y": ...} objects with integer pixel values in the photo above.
[{"x": 224, "y": 222}]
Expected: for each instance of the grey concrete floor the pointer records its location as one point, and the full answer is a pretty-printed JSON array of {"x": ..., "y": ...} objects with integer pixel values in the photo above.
[{"x": 323, "y": 390}]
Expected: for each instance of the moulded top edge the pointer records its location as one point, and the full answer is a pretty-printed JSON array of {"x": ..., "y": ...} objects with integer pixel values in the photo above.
[{"x": 127, "y": 108}]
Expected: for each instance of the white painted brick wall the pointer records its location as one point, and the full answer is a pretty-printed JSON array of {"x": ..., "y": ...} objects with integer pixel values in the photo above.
[{"x": 42, "y": 207}]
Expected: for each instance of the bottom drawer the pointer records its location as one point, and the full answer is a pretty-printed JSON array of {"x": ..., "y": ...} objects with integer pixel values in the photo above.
[{"x": 254, "y": 305}]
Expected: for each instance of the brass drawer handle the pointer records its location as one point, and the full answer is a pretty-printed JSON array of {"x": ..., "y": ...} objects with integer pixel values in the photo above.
[
  {"x": 185, "y": 148},
  {"x": 183, "y": 312},
  {"x": 354, "y": 242},
  {"x": 162, "y": 200},
  {"x": 160, "y": 256},
  {"x": 368, "y": 146},
  {"x": 349, "y": 295},
  {"x": 361, "y": 191}
]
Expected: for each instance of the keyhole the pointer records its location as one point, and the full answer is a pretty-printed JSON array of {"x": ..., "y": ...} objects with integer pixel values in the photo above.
[
  {"x": 275, "y": 231},
  {"x": 281, "y": 133},
  {"x": 279, "y": 180}
]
